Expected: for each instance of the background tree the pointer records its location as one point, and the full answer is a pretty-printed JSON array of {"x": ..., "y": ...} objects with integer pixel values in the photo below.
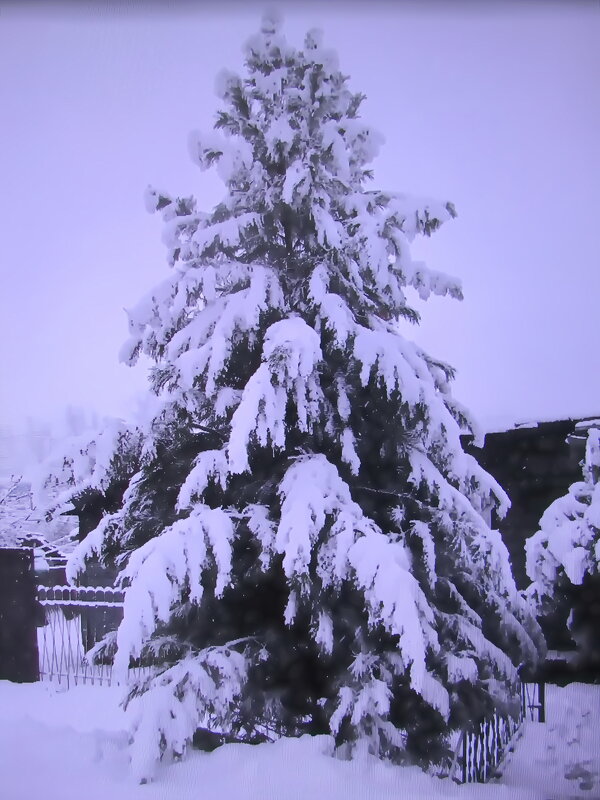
[
  {"x": 15, "y": 509},
  {"x": 87, "y": 475},
  {"x": 563, "y": 558},
  {"x": 304, "y": 542}
]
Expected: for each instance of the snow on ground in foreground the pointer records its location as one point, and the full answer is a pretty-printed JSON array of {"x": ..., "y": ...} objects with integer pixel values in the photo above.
[
  {"x": 562, "y": 756},
  {"x": 69, "y": 745}
]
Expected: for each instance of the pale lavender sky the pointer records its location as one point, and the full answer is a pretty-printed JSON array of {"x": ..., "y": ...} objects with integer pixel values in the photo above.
[{"x": 495, "y": 107}]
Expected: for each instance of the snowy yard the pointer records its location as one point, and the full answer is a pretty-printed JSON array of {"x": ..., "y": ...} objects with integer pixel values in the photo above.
[{"x": 72, "y": 744}]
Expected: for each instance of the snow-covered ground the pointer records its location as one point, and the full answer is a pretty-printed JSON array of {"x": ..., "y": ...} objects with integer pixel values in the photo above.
[
  {"x": 562, "y": 756},
  {"x": 72, "y": 744}
]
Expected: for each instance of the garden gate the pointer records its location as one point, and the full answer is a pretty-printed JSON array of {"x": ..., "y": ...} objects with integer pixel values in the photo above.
[{"x": 76, "y": 619}]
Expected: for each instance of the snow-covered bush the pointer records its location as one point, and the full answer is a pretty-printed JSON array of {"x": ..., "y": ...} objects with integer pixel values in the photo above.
[
  {"x": 565, "y": 552},
  {"x": 303, "y": 511}
]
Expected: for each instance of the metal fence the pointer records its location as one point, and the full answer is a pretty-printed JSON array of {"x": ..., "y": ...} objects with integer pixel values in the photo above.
[
  {"x": 533, "y": 701},
  {"x": 483, "y": 748},
  {"x": 76, "y": 620}
]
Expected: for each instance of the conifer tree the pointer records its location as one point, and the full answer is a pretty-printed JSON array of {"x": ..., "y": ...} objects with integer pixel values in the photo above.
[{"x": 304, "y": 544}]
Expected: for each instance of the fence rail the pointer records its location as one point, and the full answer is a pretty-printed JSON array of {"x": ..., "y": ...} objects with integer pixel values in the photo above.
[{"x": 81, "y": 596}]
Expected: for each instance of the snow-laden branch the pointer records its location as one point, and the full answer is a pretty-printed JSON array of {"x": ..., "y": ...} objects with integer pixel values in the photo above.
[
  {"x": 200, "y": 690},
  {"x": 291, "y": 356},
  {"x": 156, "y": 573}
]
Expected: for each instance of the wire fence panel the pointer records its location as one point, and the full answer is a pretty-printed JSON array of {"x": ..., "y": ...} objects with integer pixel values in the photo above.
[
  {"x": 485, "y": 748},
  {"x": 486, "y": 745},
  {"x": 76, "y": 620},
  {"x": 62, "y": 654}
]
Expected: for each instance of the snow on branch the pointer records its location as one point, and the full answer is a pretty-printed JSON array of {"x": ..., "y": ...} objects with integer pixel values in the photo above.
[
  {"x": 263, "y": 529},
  {"x": 333, "y": 309},
  {"x": 484, "y": 550},
  {"x": 204, "y": 344},
  {"x": 394, "y": 598},
  {"x": 163, "y": 310},
  {"x": 229, "y": 157},
  {"x": 160, "y": 570},
  {"x": 91, "y": 547},
  {"x": 314, "y": 496},
  {"x": 209, "y": 465},
  {"x": 200, "y": 690},
  {"x": 386, "y": 353},
  {"x": 228, "y": 233},
  {"x": 291, "y": 355}
]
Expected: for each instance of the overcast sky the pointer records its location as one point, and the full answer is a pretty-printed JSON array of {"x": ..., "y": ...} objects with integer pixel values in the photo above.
[{"x": 495, "y": 107}]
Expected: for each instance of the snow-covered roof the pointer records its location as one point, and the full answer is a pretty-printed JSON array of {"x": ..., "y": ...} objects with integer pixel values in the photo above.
[{"x": 581, "y": 423}]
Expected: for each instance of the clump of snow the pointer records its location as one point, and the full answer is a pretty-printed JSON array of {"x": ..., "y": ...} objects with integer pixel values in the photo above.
[
  {"x": 84, "y": 462},
  {"x": 199, "y": 689},
  {"x": 210, "y": 465}
]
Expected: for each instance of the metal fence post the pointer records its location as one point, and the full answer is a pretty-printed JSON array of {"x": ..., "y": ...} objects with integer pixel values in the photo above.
[{"x": 542, "y": 701}]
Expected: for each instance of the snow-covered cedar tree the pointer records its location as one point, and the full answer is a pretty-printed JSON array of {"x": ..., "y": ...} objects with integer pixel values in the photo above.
[
  {"x": 305, "y": 539},
  {"x": 563, "y": 557},
  {"x": 86, "y": 476}
]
